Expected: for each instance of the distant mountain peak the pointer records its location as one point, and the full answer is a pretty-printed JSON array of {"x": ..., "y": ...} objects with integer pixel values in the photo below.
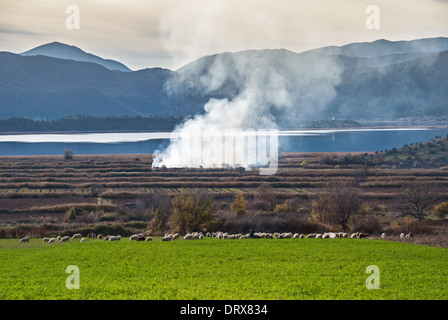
[{"x": 61, "y": 50}]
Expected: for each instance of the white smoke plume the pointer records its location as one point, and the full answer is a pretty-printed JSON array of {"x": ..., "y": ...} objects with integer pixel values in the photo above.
[
  {"x": 258, "y": 85},
  {"x": 246, "y": 90}
]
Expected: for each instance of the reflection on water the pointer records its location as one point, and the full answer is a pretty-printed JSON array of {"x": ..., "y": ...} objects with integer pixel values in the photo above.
[{"x": 346, "y": 140}]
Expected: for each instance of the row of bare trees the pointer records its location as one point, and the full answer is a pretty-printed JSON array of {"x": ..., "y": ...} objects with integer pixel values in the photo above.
[{"x": 337, "y": 204}]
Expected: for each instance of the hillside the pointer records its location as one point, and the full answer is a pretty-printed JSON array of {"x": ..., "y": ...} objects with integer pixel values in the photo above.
[
  {"x": 64, "y": 51},
  {"x": 358, "y": 81},
  {"x": 430, "y": 154}
]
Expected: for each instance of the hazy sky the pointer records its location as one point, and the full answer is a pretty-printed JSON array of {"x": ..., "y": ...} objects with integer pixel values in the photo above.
[{"x": 170, "y": 33}]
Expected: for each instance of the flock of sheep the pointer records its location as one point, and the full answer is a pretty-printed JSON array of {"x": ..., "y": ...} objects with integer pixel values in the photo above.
[{"x": 218, "y": 235}]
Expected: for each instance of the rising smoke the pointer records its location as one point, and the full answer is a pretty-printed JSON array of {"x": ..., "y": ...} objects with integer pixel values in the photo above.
[{"x": 259, "y": 87}]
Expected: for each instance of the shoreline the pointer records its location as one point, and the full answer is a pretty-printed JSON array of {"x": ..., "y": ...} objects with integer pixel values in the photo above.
[{"x": 382, "y": 127}]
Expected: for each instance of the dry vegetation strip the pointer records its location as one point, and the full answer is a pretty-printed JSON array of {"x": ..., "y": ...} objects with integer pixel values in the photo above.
[{"x": 50, "y": 185}]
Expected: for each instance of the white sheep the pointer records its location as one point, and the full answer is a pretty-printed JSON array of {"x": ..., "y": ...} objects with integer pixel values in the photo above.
[
  {"x": 77, "y": 236},
  {"x": 133, "y": 237},
  {"x": 58, "y": 239},
  {"x": 65, "y": 239},
  {"x": 311, "y": 235},
  {"x": 45, "y": 240},
  {"x": 319, "y": 235},
  {"x": 329, "y": 235},
  {"x": 301, "y": 236},
  {"x": 24, "y": 239},
  {"x": 188, "y": 236},
  {"x": 51, "y": 240},
  {"x": 383, "y": 236},
  {"x": 149, "y": 238},
  {"x": 82, "y": 240},
  {"x": 114, "y": 238},
  {"x": 195, "y": 236},
  {"x": 354, "y": 235},
  {"x": 401, "y": 235}
]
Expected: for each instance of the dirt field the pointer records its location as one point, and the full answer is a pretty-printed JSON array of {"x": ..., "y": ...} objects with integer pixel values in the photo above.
[{"x": 41, "y": 189}]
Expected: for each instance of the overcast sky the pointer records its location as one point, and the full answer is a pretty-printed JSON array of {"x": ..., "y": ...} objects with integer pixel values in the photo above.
[{"x": 171, "y": 33}]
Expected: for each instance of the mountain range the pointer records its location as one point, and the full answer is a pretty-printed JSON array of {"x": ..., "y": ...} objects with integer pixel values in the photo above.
[{"x": 380, "y": 79}]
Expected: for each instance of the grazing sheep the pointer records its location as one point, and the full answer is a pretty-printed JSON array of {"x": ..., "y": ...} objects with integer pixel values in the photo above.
[
  {"x": 301, "y": 236},
  {"x": 208, "y": 235},
  {"x": 330, "y": 235},
  {"x": 141, "y": 237},
  {"x": 25, "y": 239},
  {"x": 82, "y": 240},
  {"x": 175, "y": 236},
  {"x": 45, "y": 240},
  {"x": 167, "y": 237},
  {"x": 106, "y": 238},
  {"x": 51, "y": 240},
  {"x": 362, "y": 235},
  {"x": 114, "y": 238},
  {"x": 77, "y": 236},
  {"x": 65, "y": 239},
  {"x": 133, "y": 237},
  {"x": 311, "y": 235},
  {"x": 195, "y": 236},
  {"x": 354, "y": 235},
  {"x": 401, "y": 235},
  {"x": 58, "y": 239},
  {"x": 100, "y": 236},
  {"x": 296, "y": 236},
  {"x": 188, "y": 236},
  {"x": 383, "y": 236},
  {"x": 149, "y": 238},
  {"x": 319, "y": 235},
  {"x": 409, "y": 235},
  {"x": 345, "y": 235}
]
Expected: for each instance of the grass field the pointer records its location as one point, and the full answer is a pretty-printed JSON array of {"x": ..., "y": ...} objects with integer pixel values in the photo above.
[{"x": 290, "y": 269}]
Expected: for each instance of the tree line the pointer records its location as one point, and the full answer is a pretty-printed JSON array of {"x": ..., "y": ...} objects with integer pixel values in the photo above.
[
  {"x": 338, "y": 205},
  {"x": 89, "y": 123}
]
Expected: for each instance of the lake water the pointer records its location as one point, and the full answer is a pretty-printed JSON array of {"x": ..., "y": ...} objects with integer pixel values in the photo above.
[{"x": 344, "y": 140}]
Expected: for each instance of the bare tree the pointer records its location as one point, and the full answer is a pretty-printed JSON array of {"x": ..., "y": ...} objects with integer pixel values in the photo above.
[
  {"x": 336, "y": 204},
  {"x": 264, "y": 197},
  {"x": 418, "y": 199},
  {"x": 159, "y": 206}
]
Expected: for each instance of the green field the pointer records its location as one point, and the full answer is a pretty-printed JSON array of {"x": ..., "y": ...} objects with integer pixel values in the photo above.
[{"x": 223, "y": 269}]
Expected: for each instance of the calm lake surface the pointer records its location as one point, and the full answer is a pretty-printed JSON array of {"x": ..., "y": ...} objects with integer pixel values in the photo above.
[{"x": 337, "y": 140}]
